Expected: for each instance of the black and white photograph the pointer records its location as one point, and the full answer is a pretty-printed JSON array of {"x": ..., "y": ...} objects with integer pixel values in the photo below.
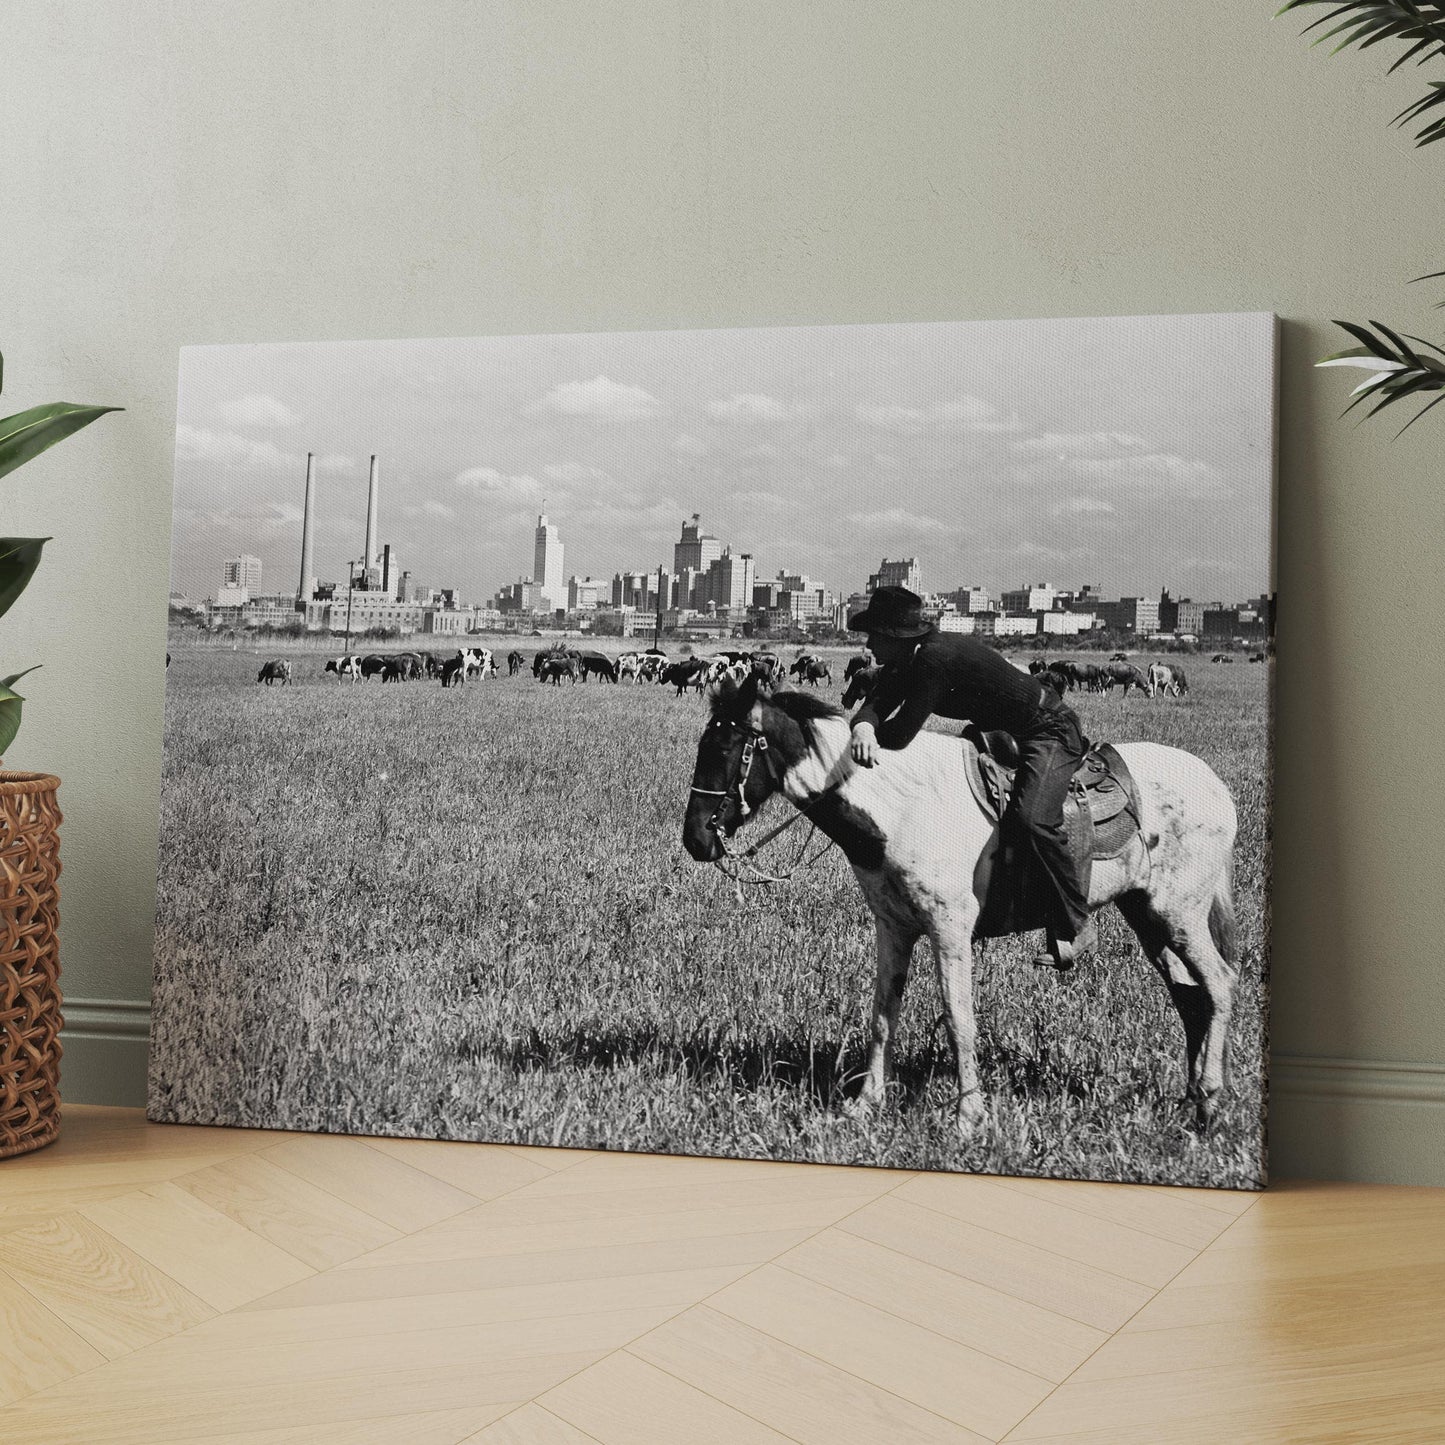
[{"x": 843, "y": 744}]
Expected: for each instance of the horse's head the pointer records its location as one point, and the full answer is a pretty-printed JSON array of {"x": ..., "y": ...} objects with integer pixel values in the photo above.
[{"x": 734, "y": 774}]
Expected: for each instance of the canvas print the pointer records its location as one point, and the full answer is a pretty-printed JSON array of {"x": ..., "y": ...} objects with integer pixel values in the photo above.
[{"x": 845, "y": 744}]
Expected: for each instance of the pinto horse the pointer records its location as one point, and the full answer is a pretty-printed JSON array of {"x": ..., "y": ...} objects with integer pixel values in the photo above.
[{"x": 915, "y": 837}]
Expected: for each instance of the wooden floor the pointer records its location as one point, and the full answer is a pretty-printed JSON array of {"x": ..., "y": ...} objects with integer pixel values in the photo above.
[{"x": 164, "y": 1284}]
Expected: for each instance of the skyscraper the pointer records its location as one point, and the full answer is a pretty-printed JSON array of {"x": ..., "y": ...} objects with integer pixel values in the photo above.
[
  {"x": 547, "y": 570},
  {"x": 697, "y": 550}
]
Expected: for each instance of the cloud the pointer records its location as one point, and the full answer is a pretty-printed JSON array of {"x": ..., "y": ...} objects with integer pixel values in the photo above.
[
  {"x": 240, "y": 453},
  {"x": 749, "y": 406},
  {"x": 904, "y": 419},
  {"x": 574, "y": 473},
  {"x": 973, "y": 414},
  {"x": 894, "y": 520},
  {"x": 1083, "y": 507},
  {"x": 760, "y": 501},
  {"x": 437, "y": 509},
  {"x": 257, "y": 410},
  {"x": 498, "y": 486},
  {"x": 1150, "y": 470},
  {"x": 962, "y": 414},
  {"x": 600, "y": 398},
  {"x": 227, "y": 449},
  {"x": 1072, "y": 446},
  {"x": 690, "y": 446}
]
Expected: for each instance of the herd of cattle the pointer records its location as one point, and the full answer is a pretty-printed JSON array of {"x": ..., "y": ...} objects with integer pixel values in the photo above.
[{"x": 560, "y": 662}]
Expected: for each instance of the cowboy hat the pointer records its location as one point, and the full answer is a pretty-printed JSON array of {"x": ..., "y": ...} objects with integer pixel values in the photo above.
[{"x": 892, "y": 612}]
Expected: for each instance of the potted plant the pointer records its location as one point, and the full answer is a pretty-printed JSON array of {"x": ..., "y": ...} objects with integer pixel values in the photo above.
[{"x": 29, "y": 845}]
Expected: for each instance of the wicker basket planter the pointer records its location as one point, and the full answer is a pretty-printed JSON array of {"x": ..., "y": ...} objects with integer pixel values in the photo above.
[{"x": 29, "y": 962}]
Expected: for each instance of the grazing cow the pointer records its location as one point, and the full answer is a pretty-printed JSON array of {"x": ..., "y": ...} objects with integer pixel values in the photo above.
[
  {"x": 1055, "y": 678},
  {"x": 515, "y": 662},
  {"x": 1168, "y": 679},
  {"x": 859, "y": 662},
  {"x": 860, "y": 685},
  {"x": 767, "y": 666},
  {"x": 650, "y": 667},
  {"x": 1119, "y": 657},
  {"x": 1253, "y": 657},
  {"x": 343, "y": 667},
  {"x": 374, "y": 664},
  {"x": 454, "y": 671},
  {"x": 1090, "y": 676},
  {"x": 628, "y": 665},
  {"x": 556, "y": 666},
  {"x": 1221, "y": 657},
  {"x": 813, "y": 670},
  {"x": 478, "y": 660},
  {"x": 1127, "y": 675},
  {"x": 692, "y": 673},
  {"x": 398, "y": 669},
  {"x": 598, "y": 664},
  {"x": 1036, "y": 667},
  {"x": 278, "y": 670}
]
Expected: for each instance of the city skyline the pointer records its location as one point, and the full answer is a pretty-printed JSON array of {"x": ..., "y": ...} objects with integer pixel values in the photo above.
[{"x": 1132, "y": 453}]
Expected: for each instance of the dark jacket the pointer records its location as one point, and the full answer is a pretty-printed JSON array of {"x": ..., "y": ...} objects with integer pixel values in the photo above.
[{"x": 956, "y": 676}]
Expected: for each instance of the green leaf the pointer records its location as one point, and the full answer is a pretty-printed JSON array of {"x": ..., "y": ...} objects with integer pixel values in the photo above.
[
  {"x": 10, "y": 703},
  {"x": 28, "y": 433},
  {"x": 16, "y": 676},
  {"x": 19, "y": 557}
]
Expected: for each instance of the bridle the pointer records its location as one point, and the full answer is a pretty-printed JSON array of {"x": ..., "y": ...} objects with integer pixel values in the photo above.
[{"x": 743, "y": 868}]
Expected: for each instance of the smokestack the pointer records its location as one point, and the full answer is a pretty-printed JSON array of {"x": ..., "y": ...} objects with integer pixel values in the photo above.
[
  {"x": 307, "y": 585},
  {"x": 371, "y": 520},
  {"x": 386, "y": 570}
]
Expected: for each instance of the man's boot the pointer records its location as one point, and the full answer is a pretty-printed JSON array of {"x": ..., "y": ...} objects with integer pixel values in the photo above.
[{"x": 1064, "y": 953}]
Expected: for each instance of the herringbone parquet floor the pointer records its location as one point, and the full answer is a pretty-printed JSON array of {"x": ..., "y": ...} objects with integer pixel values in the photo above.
[{"x": 172, "y": 1284}]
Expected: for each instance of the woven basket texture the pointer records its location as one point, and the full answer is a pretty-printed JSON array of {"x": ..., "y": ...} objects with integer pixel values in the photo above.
[{"x": 29, "y": 962}]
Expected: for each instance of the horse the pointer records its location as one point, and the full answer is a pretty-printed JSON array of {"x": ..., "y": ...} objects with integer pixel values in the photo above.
[
  {"x": 277, "y": 670},
  {"x": 861, "y": 684},
  {"x": 915, "y": 837}
]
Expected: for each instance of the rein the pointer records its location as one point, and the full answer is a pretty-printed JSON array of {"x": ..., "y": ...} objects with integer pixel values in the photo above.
[{"x": 737, "y": 864}]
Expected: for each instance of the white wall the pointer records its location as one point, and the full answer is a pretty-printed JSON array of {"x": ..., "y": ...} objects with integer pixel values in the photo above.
[{"x": 181, "y": 173}]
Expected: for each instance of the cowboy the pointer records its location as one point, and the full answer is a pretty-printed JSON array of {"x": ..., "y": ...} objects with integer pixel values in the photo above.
[{"x": 926, "y": 673}]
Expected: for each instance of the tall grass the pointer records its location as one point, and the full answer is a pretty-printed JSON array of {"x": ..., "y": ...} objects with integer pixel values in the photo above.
[{"x": 466, "y": 914}]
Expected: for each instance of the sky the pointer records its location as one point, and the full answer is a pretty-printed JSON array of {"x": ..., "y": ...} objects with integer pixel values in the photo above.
[{"x": 1133, "y": 453}]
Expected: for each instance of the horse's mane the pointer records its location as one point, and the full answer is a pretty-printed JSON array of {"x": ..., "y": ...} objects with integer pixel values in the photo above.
[
  {"x": 802, "y": 707},
  {"x": 805, "y": 707}
]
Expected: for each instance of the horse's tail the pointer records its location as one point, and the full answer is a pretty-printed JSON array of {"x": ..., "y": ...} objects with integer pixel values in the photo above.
[{"x": 1222, "y": 927}]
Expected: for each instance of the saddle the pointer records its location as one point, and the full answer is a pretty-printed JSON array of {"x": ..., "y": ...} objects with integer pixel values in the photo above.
[{"x": 1101, "y": 813}]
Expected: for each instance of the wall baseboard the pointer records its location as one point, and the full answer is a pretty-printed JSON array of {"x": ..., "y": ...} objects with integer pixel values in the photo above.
[
  {"x": 105, "y": 1043},
  {"x": 1351, "y": 1119}
]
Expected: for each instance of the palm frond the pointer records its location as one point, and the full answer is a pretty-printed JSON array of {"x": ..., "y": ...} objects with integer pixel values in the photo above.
[
  {"x": 1419, "y": 24},
  {"x": 1397, "y": 370}
]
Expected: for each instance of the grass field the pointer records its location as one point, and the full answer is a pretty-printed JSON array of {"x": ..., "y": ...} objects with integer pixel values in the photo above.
[{"x": 467, "y": 914}]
